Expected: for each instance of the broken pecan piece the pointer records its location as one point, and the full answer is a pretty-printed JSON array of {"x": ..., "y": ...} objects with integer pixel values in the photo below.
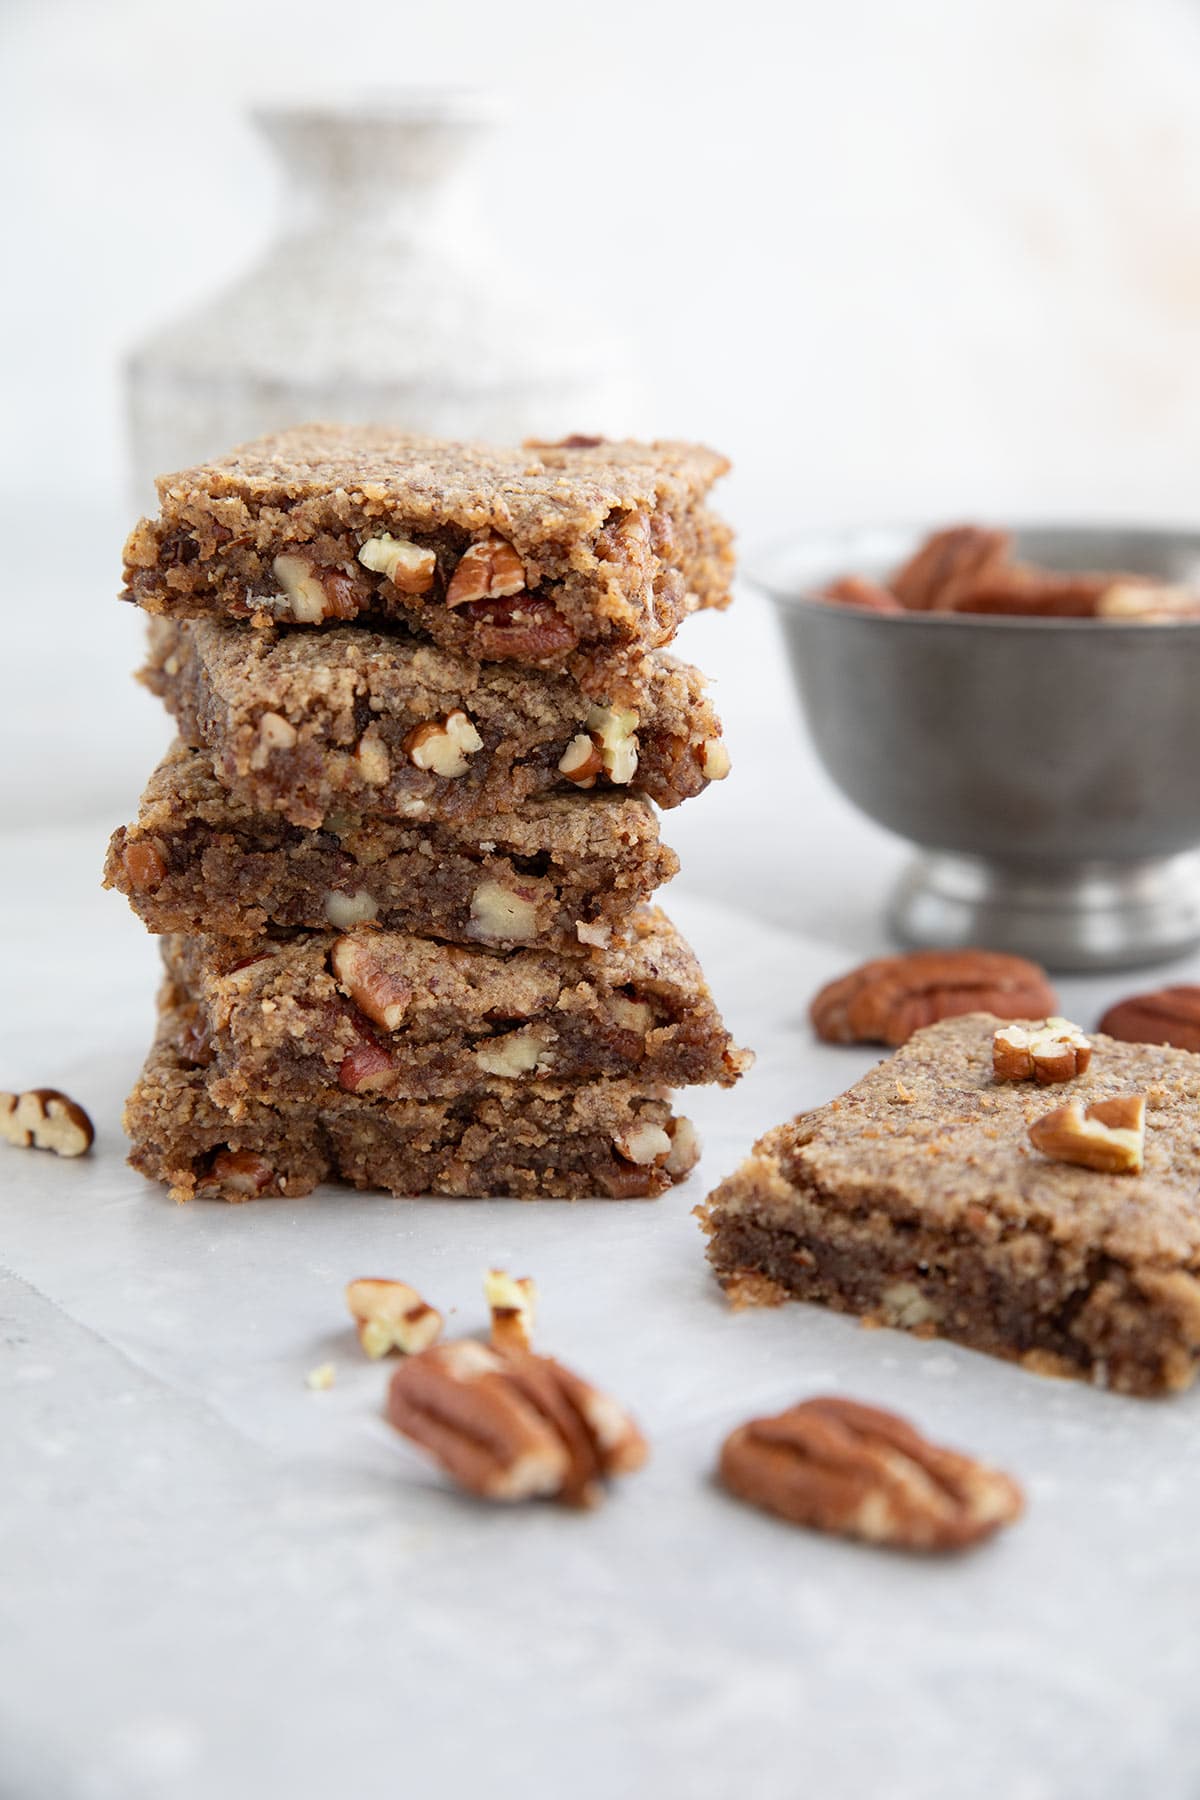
[
  {"x": 361, "y": 971},
  {"x": 508, "y": 1425},
  {"x": 1053, "y": 1050},
  {"x": 512, "y": 1301},
  {"x": 44, "y": 1119},
  {"x": 236, "y": 1175},
  {"x": 885, "y": 1001},
  {"x": 838, "y": 1466},
  {"x": 311, "y": 591},
  {"x": 1109, "y": 1136},
  {"x": 1169, "y": 1015},
  {"x": 391, "y": 1315},
  {"x": 947, "y": 563}
]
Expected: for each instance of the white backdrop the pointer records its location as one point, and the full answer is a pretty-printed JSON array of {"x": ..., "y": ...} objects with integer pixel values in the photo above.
[{"x": 895, "y": 256}]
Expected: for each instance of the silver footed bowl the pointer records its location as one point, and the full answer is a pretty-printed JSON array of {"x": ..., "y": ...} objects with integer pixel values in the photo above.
[{"x": 1048, "y": 769}]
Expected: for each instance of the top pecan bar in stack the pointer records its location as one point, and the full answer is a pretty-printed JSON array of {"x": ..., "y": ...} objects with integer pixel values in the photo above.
[{"x": 555, "y": 555}]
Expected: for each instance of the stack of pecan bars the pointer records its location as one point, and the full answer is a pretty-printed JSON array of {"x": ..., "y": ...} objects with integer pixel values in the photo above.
[{"x": 401, "y": 853}]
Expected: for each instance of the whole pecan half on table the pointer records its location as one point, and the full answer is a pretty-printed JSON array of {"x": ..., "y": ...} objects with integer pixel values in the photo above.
[
  {"x": 1169, "y": 1015},
  {"x": 838, "y": 1466},
  {"x": 885, "y": 1001},
  {"x": 509, "y": 1425}
]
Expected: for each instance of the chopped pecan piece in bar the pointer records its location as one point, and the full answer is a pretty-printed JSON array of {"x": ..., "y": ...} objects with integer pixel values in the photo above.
[
  {"x": 348, "y": 720},
  {"x": 836, "y": 1465},
  {"x": 916, "y": 1199},
  {"x": 548, "y": 555},
  {"x": 403, "y": 1016}
]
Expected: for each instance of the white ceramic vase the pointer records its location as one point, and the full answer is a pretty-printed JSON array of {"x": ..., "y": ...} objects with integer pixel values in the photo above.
[{"x": 382, "y": 300}]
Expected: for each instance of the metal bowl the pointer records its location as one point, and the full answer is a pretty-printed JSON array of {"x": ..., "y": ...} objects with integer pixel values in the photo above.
[{"x": 1049, "y": 769}]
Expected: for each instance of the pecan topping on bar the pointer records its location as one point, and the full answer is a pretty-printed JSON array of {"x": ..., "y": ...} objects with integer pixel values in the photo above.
[
  {"x": 44, "y": 1119},
  {"x": 508, "y": 1425},
  {"x": 512, "y": 1301},
  {"x": 1169, "y": 1015},
  {"x": 838, "y": 1466},
  {"x": 1109, "y": 1136},
  {"x": 487, "y": 570},
  {"x": 391, "y": 1315},
  {"x": 1052, "y": 1051},
  {"x": 885, "y": 1001}
]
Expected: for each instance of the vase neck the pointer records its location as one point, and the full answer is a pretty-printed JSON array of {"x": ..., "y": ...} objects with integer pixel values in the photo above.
[{"x": 369, "y": 165}]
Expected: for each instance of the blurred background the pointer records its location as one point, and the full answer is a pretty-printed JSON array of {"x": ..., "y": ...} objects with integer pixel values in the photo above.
[{"x": 897, "y": 258}]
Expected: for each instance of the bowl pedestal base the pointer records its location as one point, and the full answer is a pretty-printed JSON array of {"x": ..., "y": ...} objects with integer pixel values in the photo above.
[{"x": 1089, "y": 916}]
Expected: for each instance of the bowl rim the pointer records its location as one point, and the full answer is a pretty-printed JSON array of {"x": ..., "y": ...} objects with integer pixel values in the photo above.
[{"x": 755, "y": 571}]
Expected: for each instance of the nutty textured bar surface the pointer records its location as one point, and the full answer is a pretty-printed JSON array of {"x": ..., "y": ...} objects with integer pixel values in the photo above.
[
  {"x": 388, "y": 1013},
  {"x": 917, "y": 1200},
  {"x": 198, "y": 860},
  {"x": 552, "y": 1142},
  {"x": 310, "y": 722},
  {"x": 608, "y": 545}
]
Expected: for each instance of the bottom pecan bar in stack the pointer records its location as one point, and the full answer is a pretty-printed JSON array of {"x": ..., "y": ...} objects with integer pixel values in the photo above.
[
  {"x": 616, "y": 1139},
  {"x": 918, "y": 1199}
]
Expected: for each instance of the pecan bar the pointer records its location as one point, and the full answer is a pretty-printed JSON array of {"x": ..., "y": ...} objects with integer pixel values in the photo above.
[
  {"x": 567, "y": 869},
  {"x": 547, "y": 555},
  {"x": 390, "y": 1014},
  {"x": 918, "y": 1200},
  {"x": 305, "y": 723},
  {"x": 548, "y": 1141}
]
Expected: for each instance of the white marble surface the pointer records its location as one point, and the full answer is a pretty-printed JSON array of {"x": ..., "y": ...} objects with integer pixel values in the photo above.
[{"x": 216, "y": 1582}]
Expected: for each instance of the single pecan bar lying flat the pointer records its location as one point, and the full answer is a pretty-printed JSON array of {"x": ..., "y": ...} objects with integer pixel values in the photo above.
[
  {"x": 885, "y": 1001},
  {"x": 838, "y": 1466},
  {"x": 509, "y": 1425},
  {"x": 916, "y": 1199},
  {"x": 1169, "y": 1015},
  {"x": 550, "y": 555}
]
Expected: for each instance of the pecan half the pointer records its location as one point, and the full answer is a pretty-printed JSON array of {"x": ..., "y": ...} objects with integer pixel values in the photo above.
[
  {"x": 1052, "y": 1051},
  {"x": 1169, "y": 1015},
  {"x": 1110, "y": 1136},
  {"x": 1028, "y": 593},
  {"x": 856, "y": 590},
  {"x": 508, "y": 1425},
  {"x": 838, "y": 1466},
  {"x": 947, "y": 563},
  {"x": 885, "y": 1001},
  {"x": 44, "y": 1119}
]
